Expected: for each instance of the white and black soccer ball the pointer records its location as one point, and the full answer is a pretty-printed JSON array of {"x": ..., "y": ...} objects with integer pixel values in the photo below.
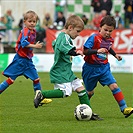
[{"x": 83, "y": 112}]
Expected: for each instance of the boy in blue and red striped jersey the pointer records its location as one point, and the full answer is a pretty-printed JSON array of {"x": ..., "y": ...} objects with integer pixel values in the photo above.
[
  {"x": 97, "y": 68},
  {"x": 22, "y": 63}
]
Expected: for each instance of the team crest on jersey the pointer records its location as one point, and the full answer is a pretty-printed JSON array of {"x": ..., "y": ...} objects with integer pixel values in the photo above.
[{"x": 102, "y": 56}]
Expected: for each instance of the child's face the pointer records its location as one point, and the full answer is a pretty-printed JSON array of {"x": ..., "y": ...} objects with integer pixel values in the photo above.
[
  {"x": 30, "y": 23},
  {"x": 74, "y": 32},
  {"x": 106, "y": 31}
]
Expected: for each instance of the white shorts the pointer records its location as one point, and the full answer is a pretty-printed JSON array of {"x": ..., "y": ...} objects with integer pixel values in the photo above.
[{"x": 67, "y": 88}]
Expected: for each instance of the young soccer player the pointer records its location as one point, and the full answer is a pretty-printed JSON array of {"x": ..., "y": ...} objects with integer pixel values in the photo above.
[
  {"x": 97, "y": 68},
  {"x": 61, "y": 73},
  {"x": 22, "y": 63}
]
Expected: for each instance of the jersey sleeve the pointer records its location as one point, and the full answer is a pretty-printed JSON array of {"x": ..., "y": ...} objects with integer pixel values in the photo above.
[
  {"x": 90, "y": 42},
  {"x": 24, "y": 39},
  {"x": 66, "y": 44}
]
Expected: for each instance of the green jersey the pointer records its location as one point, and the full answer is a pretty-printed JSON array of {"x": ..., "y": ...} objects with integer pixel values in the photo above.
[
  {"x": 59, "y": 8},
  {"x": 61, "y": 71},
  {"x": 10, "y": 20}
]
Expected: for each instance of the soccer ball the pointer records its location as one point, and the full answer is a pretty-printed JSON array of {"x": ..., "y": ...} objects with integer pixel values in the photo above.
[{"x": 83, "y": 112}]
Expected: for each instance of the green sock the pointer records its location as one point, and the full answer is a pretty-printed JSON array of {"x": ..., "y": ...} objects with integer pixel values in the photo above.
[
  {"x": 52, "y": 93},
  {"x": 83, "y": 98}
]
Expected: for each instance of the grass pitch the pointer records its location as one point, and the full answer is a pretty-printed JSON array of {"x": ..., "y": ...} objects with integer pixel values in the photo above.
[{"x": 18, "y": 115}]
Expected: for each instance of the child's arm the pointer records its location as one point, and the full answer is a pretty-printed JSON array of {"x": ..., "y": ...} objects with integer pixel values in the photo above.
[
  {"x": 118, "y": 57},
  {"x": 37, "y": 45},
  {"x": 74, "y": 52},
  {"x": 87, "y": 51}
]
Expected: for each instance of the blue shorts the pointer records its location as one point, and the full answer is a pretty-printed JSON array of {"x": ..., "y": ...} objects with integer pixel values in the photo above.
[
  {"x": 21, "y": 66},
  {"x": 91, "y": 74}
]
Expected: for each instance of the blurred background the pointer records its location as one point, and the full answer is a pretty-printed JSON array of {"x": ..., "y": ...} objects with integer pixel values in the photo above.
[
  {"x": 52, "y": 17},
  {"x": 41, "y": 7}
]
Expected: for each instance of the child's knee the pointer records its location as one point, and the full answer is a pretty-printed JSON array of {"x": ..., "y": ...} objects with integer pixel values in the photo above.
[
  {"x": 80, "y": 89},
  {"x": 113, "y": 86}
]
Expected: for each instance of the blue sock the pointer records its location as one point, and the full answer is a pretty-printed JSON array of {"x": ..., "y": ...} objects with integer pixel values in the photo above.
[
  {"x": 122, "y": 105},
  {"x": 37, "y": 86},
  {"x": 3, "y": 86},
  {"x": 119, "y": 97}
]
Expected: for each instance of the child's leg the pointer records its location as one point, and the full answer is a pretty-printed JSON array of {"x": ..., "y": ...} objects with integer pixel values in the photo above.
[
  {"x": 5, "y": 84},
  {"x": 127, "y": 111},
  {"x": 36, "y": 85},
  {"x": 83, "y": 97},
  {"x": 82, "y": 94},
  {"x": 118, "y": 95},
  {"x": 40, "y": 95},
  {"x": 56, "y": 93},
  {"x": 47, "y": 93},
  {"x": 50, "y": 94}
]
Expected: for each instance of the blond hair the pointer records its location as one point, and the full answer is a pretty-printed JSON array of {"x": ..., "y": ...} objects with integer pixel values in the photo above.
[
  {"x": 30, "y": 14},
  {"x": 75, "y": 21}
]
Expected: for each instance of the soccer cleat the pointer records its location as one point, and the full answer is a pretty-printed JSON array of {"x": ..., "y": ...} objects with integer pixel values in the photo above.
[
  {"x": 45, "y": 101},
  {"x": 96, "y": 117},
  {"x": 128, "y": 111},
  {"x": 38, "y": 98}
]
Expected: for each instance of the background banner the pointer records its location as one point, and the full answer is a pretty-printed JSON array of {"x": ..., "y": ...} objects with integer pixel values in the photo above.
[
  {"x": 44, "y": 62},
  {"x": 123, "y": 40},
  {"x": 3, "y": 61}
]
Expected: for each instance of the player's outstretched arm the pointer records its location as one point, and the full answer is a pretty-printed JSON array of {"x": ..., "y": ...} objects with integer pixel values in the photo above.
[
  {"x": 118, "y": 57},
  {"x": 74, "y": 52},
  {"x": 37, "y": 45}
]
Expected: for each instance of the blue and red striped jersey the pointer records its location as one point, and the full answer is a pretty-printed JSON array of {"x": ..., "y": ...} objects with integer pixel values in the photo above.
[
  {"x": 25, "y": 38},
  {"x": 96, "y": 41}
]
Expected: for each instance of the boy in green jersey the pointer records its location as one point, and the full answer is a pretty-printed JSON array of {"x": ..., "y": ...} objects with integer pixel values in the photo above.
[{"x": 61, "y": 73}]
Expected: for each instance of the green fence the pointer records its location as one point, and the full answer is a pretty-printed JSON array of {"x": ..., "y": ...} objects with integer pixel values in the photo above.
[{"x": 80, "y": 7}]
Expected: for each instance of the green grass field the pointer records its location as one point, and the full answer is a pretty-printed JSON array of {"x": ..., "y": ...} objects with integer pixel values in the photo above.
[{"x": 18, "y": 115}]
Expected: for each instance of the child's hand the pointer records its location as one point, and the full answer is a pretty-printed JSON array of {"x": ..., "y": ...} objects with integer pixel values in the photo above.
[
  {"x": 102, "y": 50},
  {"x": 38, "y": 45},
  {"x": 118, "y": 57},
  {"x": 80, "y": 52}
]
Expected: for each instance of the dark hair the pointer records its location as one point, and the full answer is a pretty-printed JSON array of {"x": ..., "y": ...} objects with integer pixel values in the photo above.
[{"x": 108, "y": 20}]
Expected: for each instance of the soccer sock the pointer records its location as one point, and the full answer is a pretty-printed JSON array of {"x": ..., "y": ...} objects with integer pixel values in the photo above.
[
  {"x": 83, "y": 97},
  {"x": 5, "y": 84},
  {"x": 53, "y": 93},
  {"x": 36, "y": 85},
  {"x": 119, "y": 97}
]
